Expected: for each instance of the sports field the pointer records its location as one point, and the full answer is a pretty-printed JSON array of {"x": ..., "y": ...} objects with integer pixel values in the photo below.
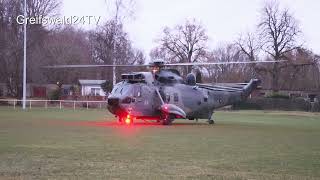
[{"x": 87, "y": 144}]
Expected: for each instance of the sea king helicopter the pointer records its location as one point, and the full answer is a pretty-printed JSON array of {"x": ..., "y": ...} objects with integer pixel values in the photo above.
[{"x": 163, "y": 95}]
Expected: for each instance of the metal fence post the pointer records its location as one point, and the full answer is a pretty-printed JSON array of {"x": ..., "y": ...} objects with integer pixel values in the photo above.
[
  {"x": 87, "y": 105},
  {"x": 60, "y": 105},
  {"x": 74, "y": 105},
  {"x": 30, "y": 104},
  {"x": 14, "y": 104},
  {"x": 46, "y": 104}
]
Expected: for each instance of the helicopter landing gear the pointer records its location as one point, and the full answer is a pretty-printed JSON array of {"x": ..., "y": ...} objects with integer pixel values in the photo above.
[
  {"x": 210, "y": 120},
  {"x": 167, "y": 120}
]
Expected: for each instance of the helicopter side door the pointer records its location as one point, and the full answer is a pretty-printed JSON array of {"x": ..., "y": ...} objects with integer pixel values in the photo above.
[{"x": 144, "y": 100}]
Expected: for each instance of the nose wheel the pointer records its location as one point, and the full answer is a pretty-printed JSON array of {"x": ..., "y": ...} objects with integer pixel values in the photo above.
[
  {"x": 167, "y": 120},
  {"x": 125, "y": 120}
]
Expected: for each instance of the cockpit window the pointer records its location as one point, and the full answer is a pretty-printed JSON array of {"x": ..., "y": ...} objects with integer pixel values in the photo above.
[
  {"x": 114, "y": 90},
  {"x": 137, "y": 91}
]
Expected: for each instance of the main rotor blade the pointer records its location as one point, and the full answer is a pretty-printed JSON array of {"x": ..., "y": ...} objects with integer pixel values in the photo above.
[
  {"x": 221, "y": 63},
  {"x": 171, "y": 64},
  {"x": 91, "y": 66}
]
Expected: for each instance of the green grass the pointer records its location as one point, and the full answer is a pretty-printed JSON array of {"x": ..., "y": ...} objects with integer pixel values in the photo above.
[{"x": 86, "y": 144}]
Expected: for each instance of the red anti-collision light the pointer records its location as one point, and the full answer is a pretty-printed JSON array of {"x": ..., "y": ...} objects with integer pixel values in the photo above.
[{"x": 128, "y": 121}]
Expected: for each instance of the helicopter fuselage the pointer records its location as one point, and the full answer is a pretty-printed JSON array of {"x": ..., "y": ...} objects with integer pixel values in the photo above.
[{"x": 149, "y": 96}]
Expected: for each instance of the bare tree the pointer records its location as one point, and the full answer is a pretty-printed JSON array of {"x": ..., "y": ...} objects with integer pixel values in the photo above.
[
  {"x": 303, "y": 75},
  {"x": 226, "y": 73},
  {"x": 278, "y": 35},
  {"x": 279, "y": 32},
  {"x": 42, "y": 7},
  {"x": 11, "y": 35},
  {"x": 110, "y": 44},
  {"x": 123, "y": 10},
  {"x": 65, "y": 46},
  {"x": 183, "y": 43},
  {"x": 250, "y": 45}
]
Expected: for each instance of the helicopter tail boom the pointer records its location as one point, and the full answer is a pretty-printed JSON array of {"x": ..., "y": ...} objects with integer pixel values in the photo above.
[
  {"x": 251, "y": 86},
  {"x": 237, "y": 91}
]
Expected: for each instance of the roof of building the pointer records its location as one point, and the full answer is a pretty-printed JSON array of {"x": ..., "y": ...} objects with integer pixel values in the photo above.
[{"x": 91, "y": 82}]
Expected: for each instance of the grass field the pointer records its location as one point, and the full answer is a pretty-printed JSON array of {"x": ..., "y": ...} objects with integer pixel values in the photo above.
[{"x": 87, "y": 144}]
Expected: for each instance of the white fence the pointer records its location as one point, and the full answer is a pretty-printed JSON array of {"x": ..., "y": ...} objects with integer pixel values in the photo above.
[{"x": 60, "y": 104}]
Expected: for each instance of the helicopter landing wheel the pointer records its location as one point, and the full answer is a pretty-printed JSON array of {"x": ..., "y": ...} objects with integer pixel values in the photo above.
[
  {"x": 167, "y": 120},
  {"x": 211, "y": 121},
  {"x": 210, "y": 118}
]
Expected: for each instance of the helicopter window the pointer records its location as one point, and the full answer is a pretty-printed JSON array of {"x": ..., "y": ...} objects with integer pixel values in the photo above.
[
  {"x": 127, "y": 100},
  {"x": 175, "y": 97},
  {"x": 168, "y": 97},
  {"x": 115, "y": 90},
  {"x": 137, "y": 91},
  {"x": 162, "y": 80}
]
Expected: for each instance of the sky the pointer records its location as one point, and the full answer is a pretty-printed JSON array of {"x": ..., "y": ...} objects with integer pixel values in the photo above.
[{"x": 224, "y": 20}]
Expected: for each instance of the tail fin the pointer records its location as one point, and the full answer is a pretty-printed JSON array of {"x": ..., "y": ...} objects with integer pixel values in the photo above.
[{"x": 252, "y": 85}]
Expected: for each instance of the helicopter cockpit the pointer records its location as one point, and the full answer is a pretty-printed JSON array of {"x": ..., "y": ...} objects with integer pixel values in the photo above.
[
  {"x": 140, "y": 77},
  {"x": 132, "y": 95},
  {"x": 168, "y": 76}
]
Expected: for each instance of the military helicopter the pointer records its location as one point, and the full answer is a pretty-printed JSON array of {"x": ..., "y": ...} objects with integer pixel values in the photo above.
[{"x": 163, "y": 95}]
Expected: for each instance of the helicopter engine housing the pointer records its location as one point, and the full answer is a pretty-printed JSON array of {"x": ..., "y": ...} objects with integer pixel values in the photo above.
[{"x": 191, "y": 79}]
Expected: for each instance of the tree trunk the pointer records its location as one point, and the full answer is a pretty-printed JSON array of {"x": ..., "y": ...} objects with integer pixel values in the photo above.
[{"x": 275, "y": 78}]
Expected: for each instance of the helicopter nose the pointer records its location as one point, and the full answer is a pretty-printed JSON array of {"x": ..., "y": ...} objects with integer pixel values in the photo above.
[{"x": 113, "y": 102}]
